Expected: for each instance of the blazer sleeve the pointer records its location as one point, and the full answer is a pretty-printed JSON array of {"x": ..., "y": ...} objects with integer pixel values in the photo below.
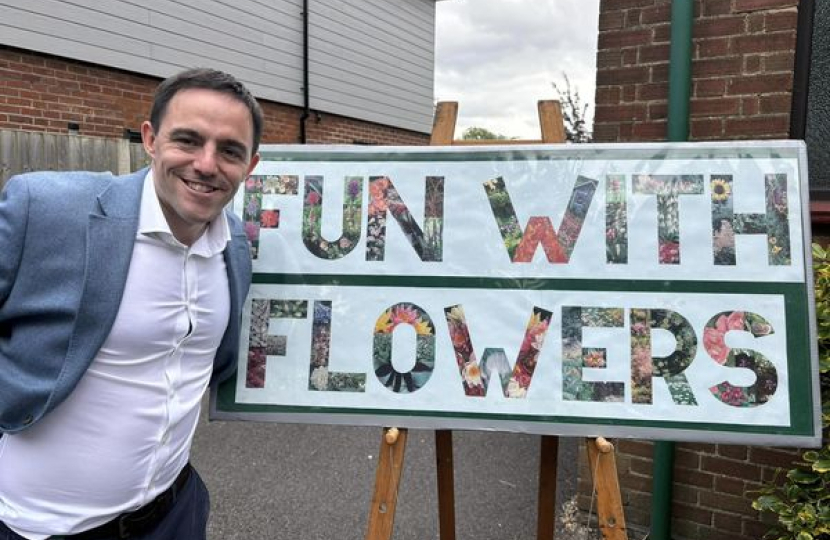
[{"x": 14, "y": 210}]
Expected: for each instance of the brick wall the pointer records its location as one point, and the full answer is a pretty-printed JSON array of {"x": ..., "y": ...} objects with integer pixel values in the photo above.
[
  {"x": 46, "y": 93},
  {"x": 742, "y": 71}
]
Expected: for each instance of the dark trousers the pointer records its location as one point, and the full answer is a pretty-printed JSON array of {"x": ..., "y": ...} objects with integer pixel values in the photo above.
[{"x": 187, "y": 519}]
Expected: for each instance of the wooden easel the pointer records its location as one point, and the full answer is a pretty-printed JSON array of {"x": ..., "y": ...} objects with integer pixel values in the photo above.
[{"x": 393, "y": 442}]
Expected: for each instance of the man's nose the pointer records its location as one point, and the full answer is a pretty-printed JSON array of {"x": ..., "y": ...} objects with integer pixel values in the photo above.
[{"x": 205, "y": 162}]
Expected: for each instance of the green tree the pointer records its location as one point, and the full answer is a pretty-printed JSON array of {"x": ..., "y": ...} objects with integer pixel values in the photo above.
[
  {"x": 480, "y": 133},
  {"x": 573, "y": 112}
]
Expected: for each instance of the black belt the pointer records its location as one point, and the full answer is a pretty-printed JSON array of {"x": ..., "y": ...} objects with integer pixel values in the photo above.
[{"x": 138, "y": 521}]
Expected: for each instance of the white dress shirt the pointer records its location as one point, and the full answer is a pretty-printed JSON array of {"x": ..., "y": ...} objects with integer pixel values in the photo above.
[{"x": 124, "y": 433}]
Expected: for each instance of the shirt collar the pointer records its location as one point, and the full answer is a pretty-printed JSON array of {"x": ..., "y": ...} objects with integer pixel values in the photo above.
[{"x": 152, "y": 223}]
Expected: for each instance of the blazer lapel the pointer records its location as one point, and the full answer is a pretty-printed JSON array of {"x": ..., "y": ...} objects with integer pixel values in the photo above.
[{"x": 110, "y": 238}]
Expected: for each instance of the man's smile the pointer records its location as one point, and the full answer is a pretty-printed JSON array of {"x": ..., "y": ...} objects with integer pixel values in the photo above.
[{"x": 199, "y": 186}]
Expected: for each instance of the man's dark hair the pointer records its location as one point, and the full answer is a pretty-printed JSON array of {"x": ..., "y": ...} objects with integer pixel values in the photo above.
[{"x": 205, "y": 79}]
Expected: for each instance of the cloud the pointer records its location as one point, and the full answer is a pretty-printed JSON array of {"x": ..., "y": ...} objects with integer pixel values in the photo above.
[{"x": 497, "y": 58}]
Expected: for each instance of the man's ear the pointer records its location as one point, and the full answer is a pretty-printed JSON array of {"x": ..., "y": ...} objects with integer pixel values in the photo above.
[
  {"x": 148, "y": 138},
  {"x": 252, "y": 165}
]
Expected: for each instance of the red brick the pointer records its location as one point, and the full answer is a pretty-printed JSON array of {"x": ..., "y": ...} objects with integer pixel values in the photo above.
[
  {"x": 755, "y": 23},
  {"x": 764, "y": 43},
  {"x": 686, "y": 529},
  {"x": 716, "y": 7},
  {"x": 620, "y": 113},
  {"x": 703, "y": 448},
  {"x": 642, "y": 467},
  {"x": 768, "y": 127},
  {"x": 662, "y": 33},
  {"x": 719, "y": 465},
  {"x": 632, "y": 18},
  {"x": 727, "y": 522},
  {"x": 658, "y": 111},
  {"x": 703, "y": 516},
  {"x": 755, "y": 529},
  {"x": 653, "y": 92},
  {"x": 629, "y": 56},
  {"x": 650, "y": 54},
  {"x": 611, "y": 58},
  {"x": 781, "y": 20},
  {"x": 756, "y": 5},
  {"x": 607, "y": 95},
  {"x": 753, "y": 64},
  {"x": 781, "y": 103},
  {"x": 716, "y": 67},
  {"x": 779, "y": 62},
  {"x": 733, "y": 451},
  {"x": 719, "y": 27},
  {"x": 715, "y": 107},
  {"x": 692, "y": 477},
  {"x": 629, "y": 93},
  {"x": 724, "y": 502},
  {"x": 610, "y": 20},
  {"x": 709, "y": 87},
  {"x": 685, "y": 494},
  {"x": 622, "y": 76},
  {"x": 711, "y": 48},
  {"x": 606, "y": 132},
  {"x": 760, "y": 84},
  {"x": 625, "y": 4},
  {"x": 774, "y": 457},
  {"x": 652, "y": 131},
  {"x": 730, "y": 486},
  {"x": 656, "y": 14},
  {"x": 659, "y": 74},
  {"x": 623, "y": 38}
]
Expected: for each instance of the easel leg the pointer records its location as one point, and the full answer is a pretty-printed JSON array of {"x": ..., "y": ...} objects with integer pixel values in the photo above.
[
  {"x": 603, "y": 467},
  {"x": 387, "y": 482},
  {"x": 446, "y": 484},
  {"x": 546, "y": 511}
]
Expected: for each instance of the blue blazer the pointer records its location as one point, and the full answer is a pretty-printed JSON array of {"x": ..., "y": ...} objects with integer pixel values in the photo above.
[{"x": 66, "y": 240}]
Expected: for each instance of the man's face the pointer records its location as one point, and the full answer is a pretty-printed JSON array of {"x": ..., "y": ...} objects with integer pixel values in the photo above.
[{"x": 201, "y": 153}]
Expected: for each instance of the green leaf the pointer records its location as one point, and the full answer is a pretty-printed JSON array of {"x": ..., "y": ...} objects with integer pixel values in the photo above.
[
  {"x": 804, "y": 535},
  {"x": 766, "y": 503},
  {"x": 822, "y": 465},
  {"x": 810, "y": 455},
  {"x": 800, "y": 476}
]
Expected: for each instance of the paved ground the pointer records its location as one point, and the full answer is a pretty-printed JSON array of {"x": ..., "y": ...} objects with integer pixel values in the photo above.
[{"x": 307, "y": 482}]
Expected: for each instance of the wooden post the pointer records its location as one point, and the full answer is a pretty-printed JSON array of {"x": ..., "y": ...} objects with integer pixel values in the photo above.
[
  {"x": 387, "y": 481},
  {"x": 546, "y": 497},
  {"x": 443, "y": 131},
  {"x": 609, "y": 503},
  {"x": 553, "y": 131}
]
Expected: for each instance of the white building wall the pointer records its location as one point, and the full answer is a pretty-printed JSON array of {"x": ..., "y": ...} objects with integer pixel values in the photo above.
[{"x": 369, "y": 59}]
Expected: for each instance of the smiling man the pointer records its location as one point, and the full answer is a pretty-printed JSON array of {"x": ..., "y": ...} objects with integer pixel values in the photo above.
[{"x": 120, "y": 301}]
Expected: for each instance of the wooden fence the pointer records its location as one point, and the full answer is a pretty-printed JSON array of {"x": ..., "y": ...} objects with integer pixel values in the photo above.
[{"x": 24, "y": 151}]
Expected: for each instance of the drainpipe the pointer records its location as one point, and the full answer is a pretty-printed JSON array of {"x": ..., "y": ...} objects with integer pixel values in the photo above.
[
  {"x": 306, "y": 107},
  {"x": 680, "y": 85}
]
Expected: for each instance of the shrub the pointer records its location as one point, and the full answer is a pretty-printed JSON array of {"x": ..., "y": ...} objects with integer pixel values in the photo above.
[{"x": 802, "y": 499}]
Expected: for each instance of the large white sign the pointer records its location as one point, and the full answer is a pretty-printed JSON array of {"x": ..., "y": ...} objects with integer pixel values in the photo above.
[{"x": 658, "y": 291}]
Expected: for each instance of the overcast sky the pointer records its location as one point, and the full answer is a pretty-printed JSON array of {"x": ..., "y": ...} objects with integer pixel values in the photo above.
[{"x": 497, "y": 58}]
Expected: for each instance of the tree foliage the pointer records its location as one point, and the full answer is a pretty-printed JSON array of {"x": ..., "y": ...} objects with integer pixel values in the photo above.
[
  {"x": 574, "y": 112},
  {"x": 480, "y": 133}
]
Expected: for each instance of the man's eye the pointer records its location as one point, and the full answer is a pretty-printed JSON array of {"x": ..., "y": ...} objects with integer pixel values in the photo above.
[{"x": 233, "y": 153}]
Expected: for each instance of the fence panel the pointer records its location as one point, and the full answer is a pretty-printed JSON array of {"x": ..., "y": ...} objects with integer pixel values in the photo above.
[{"x": 24, "y": 151}]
